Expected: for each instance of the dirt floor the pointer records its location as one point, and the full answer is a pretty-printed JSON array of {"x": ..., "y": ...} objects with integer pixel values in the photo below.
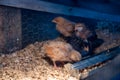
[{"x": 30, "y": 63}]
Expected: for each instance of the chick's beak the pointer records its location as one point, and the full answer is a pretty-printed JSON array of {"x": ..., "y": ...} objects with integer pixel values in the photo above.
[{"x": 55, "y": 20}]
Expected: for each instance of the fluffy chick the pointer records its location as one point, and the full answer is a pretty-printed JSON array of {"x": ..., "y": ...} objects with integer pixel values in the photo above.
[
  {"x": 82, "y": 31},
  {"x": 64, "y": 26},
  {"x": 61, "y": 51}
]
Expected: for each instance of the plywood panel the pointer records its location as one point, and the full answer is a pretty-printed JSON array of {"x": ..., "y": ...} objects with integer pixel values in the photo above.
[{"x": 10, "y": 29}]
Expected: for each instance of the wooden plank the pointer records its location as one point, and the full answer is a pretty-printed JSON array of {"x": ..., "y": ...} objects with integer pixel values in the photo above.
[
  {"x": 97, "y": 59},
  {"x": 10, "y": 29},
  {"x": 108, "y": 72},
  {"x": 59, "y": 9}
]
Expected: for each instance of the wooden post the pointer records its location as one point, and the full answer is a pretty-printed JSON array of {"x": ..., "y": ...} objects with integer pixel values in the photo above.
[{"x": 10, "y": 29}]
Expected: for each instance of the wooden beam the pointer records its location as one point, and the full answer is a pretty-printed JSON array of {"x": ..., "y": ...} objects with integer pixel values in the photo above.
[
  {"x": 10, "y": 29},
  {"x": 104, "y": 56},
  {"x": 108, "y": 72},
  {"x": 59, "y": 9}
]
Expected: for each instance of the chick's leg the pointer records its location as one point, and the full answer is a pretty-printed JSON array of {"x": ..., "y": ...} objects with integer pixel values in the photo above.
[{"x": 54, "y": 63}]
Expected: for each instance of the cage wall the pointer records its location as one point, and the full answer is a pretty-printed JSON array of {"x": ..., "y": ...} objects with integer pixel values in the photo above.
[
  {"x": 29, "y": 26},
  {"x": 38, "y": 26}
]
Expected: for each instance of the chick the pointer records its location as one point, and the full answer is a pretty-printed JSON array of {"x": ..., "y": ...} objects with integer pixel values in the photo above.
[
  {"x": 61, "y": 51},
  {"x": 89, "y": 37},
  {"x": 64, "y": 26},
  {"x": 82, "y": 31}
]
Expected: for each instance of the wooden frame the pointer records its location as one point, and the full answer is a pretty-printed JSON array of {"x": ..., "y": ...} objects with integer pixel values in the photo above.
[{"x": 59, "y": 9}]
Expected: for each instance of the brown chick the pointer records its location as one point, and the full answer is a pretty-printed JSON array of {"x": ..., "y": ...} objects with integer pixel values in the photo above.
[
  {"x": 64, "y": 26},
  {"x": 61, "y": 51},
  {"x": 82, "y": 31}
]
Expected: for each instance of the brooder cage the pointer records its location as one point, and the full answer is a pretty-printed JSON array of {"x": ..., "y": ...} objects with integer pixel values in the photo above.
[{"x": 26, "y": 25}]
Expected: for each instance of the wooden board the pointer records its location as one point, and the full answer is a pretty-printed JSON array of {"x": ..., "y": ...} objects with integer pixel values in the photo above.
[
  {"x": 10, "y": 29},
  {"x": 110, "y": 71},
  {"x": 59, "y": 9},
  {"x": 97, "y": 58}
]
